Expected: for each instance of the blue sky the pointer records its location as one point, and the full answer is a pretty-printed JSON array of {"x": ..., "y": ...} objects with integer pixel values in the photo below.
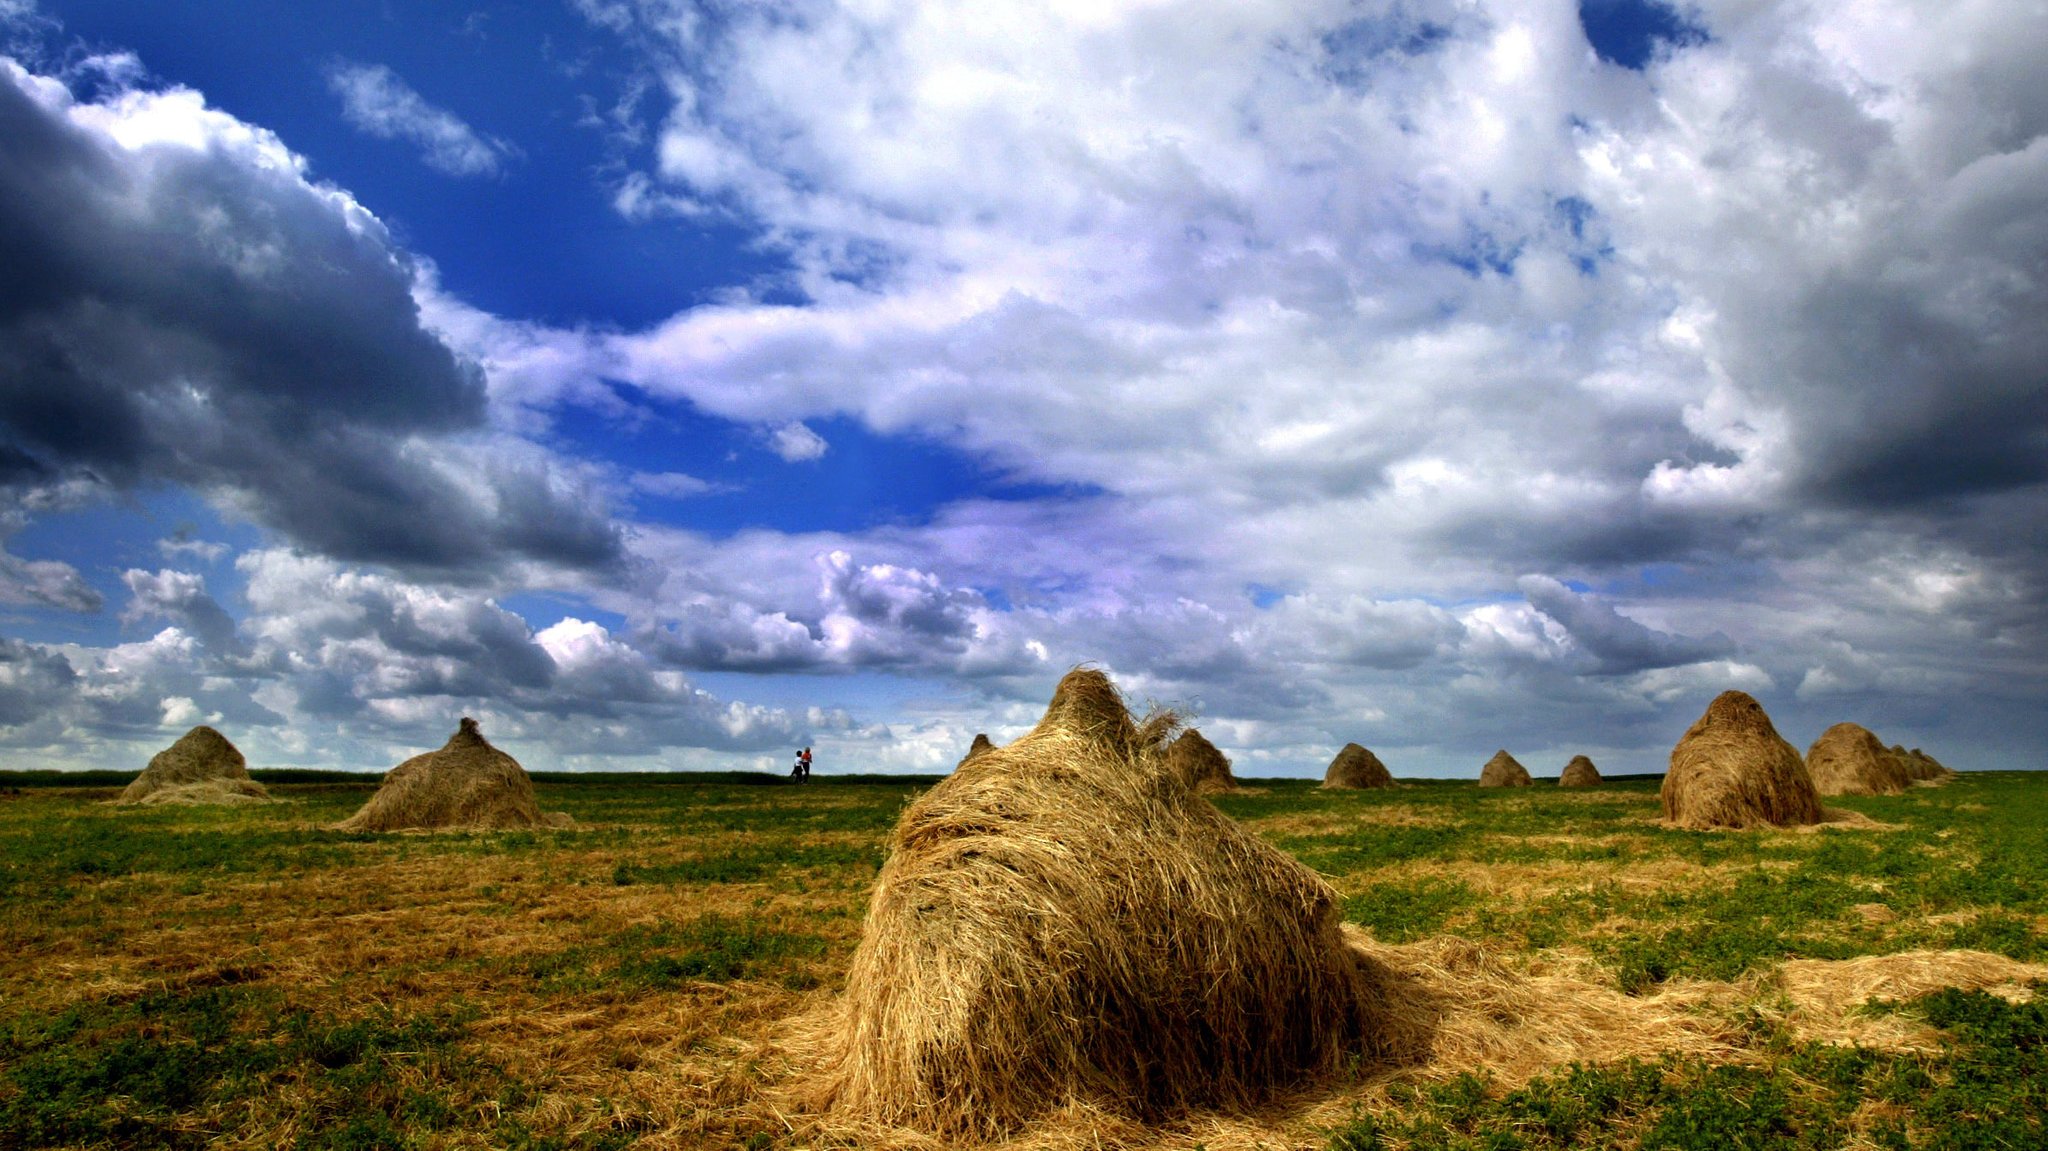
[{"x": 674, "y": 384}]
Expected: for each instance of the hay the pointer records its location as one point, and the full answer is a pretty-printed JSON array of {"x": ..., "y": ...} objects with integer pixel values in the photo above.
[
  {"x": 1580, "y": 772},
  {"x": 1060, "y": 924},
  {"x": 466, "y": 784},
  {"x": 1199, "y": 764},
  {"x": 1504, "y": 771},
  {"x": 1356, "y": 766},
  {"x": 1922, "y": 767},
  {"x": 981, "y": 744},
  {"x": 225, "y": 792},
  {"x": 1848, "y": 760},
  {"x": 200, "y": 756},
  {"x": 1732, "y": 769}
]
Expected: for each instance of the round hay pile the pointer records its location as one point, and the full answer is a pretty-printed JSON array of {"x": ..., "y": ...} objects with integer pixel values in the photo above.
[
  {"x": 1922, "y": 766},
  {"x": 203, "y": 767},
  {"x": 1580, "y": 772},
  {"x": 1848, "y": 760},
  {"x": 467, "y": 783},
  {"x": 981, "y": 744},
  {"x": 1356, "y": 766},
  {"x": 1062, "y": 922},
  {"x": 1199, "y": 764},
  {"x": 1503, "y": 770},
  {"x": 1733, "y": 769}
]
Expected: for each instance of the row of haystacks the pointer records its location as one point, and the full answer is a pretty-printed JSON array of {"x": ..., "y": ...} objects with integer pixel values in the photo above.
[
  {"x": 1358, "y": 767},
  {"x": 1732, "y": 769},
  {"x": 466, "y": 783}
]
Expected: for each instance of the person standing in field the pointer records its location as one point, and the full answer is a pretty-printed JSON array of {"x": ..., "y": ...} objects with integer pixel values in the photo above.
[{"x": 803, "y": 759}]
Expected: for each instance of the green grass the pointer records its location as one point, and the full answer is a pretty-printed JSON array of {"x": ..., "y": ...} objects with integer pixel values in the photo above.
[
  {"x": 155, "y": 990},
  {"x": 1987, "y": 1088}
]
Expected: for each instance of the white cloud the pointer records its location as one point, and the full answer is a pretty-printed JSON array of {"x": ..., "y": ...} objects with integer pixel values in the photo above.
[
  {"x": 374, "y": 99},
  {"x": 796, "y": 443}
]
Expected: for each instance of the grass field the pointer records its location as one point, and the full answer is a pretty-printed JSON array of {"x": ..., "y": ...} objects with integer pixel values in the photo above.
[{"x": 188, "y": 977}]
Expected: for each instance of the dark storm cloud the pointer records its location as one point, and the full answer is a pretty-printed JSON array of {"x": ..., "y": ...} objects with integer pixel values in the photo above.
[{"x": 178, "y": 304}]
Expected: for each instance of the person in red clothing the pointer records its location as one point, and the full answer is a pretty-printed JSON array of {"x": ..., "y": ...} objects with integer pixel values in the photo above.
[{"x": 803, "y": 762}]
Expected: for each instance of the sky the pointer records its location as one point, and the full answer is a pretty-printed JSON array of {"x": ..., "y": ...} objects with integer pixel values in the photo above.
[{"x": 671, "y": 385}]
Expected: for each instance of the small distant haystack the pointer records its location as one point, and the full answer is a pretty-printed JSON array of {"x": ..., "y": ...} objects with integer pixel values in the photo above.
[
  {"x": 1356, "y": 767},
  {"x": 1733, "y": 769},
  {"x": 1062, "y": 921},
  {"x": 981, "y": 744},
  {"x": 466, "y": 784},
  {"x": 1848, "y": 760},
  {"x": 1580, "y": 772},
  {"x": 1199, "y": 764},
  {"x": 1503, "y": 770},
  {"x": 202, "y": 767},
  {"x": 1922, "y": 766}
]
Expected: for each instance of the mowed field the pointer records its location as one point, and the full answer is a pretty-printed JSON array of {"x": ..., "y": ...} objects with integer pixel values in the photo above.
[{"x": 187, "y": 977}]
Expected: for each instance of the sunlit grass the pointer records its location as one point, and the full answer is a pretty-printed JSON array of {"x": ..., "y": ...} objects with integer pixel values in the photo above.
[{"x": 248, "y": 978}]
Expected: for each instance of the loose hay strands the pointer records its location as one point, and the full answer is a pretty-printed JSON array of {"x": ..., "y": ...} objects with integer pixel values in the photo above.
[
  {"x": 1504, "y": 770},
  {"x": 201, "y": 756},
  {"x": 1580, "y": 772},
  {"x": 1062, "y": 924},
  {"x": 467, "y": 783},
  {"x": 1848, "y": 760},
  {"x": 1199, "y": 764},
  {"x": 981, "y": 744},
  {"x": 1357, "y": 767},
  {"x": 1732, "y": 769}
]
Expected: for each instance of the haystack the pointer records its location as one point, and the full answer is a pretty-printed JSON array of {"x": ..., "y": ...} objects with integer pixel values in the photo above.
[
  {"x": 1356, "y": 766},
  {"x": 1062, "y": 921},
  {"x": 1503, "y": 770},
  {"x": 1580, "y": 772},
  {"x": 202, "y": 767},
  {"x": 1922, "y": 766},
  {"x": 1848, "y": 760},
  {"x": 466, "y": 784},
  {"x": 1733, "y": 769},
  {"x": 1199, "y": 764},
  {"x": 981, "y": 744}
]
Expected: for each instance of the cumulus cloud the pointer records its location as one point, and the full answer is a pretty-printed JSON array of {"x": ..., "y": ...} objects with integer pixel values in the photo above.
[
  {"x": 374, "y": 99},
  {"x": 179, "y": 304},
  {"x": 1615, "y": 643},
  {"x": 796, "y": 443}
]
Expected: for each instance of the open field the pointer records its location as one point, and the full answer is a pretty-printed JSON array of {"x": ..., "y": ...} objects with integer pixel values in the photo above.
[{"x": 185, "y": 977}]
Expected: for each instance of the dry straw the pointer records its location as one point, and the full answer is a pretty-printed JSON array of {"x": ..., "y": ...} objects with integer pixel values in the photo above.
[
  {"x": 202, "y": 767},
  {"x": 466, "y": 784},
  {"x": 1580, "y": 772},
  {"x": 981, "y": 744},
  {"x": 1732, "y": 769},
  {"x": 1061, "y": 924},
  {"x": 1503, "y": 770},
  {"x": 1356, "y": 766},
  {"x": 1923, "y": 767},
  {"x": 1199, "y": 764},
  {"x": 1848, "y": 760}
]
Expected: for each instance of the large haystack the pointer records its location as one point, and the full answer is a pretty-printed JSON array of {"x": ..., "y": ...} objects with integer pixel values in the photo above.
[
  {"x": 1733, "y": 769},
  {"x": 1063, "y": 921},
  {"x": 466, "y": 784},
  {"x": 1848, "y": 760},
  {"x": 981, "y": 744},
  {"x": 202, "y": 767},
  {"x": 1503, "y": 770},
  {"x": 1199, "y": 764},
  {"x": 1923, "y": 767},
  {"x": 1357, "y": 767},
  {"x": 1580, "y": 772}
]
